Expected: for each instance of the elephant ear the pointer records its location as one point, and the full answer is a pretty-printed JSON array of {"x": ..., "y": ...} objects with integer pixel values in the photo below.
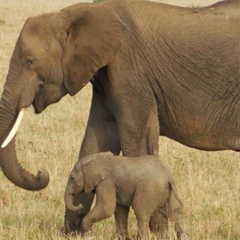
[
  {"x": 94, "y": 36},
  {"x": 98, "y": 169}
]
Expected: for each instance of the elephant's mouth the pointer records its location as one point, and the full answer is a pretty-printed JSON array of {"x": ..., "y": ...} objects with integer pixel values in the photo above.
[
  {"x": 39, "y": 103},
  {"x": 48, "y": 94},
  {"x": 38, "y": 108}
]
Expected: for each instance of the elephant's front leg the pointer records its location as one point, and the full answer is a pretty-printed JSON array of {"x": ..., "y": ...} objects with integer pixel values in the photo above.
[
  {"x": 139, "y": 135},
  {"x": 102, "y": 132},
  {"x": 104, "y": 207},
  {"x": 101, "y": 135},
  {"x": 121, "y": 220}
]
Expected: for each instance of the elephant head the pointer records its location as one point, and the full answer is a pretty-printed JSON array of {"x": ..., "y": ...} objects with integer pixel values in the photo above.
[
  {"x": 86, "y": 175},
  {"x": 55, "y": 54}
]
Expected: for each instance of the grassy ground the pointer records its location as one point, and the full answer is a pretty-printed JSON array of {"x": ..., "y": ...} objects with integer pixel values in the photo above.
[{"x": 208, "y": 182}]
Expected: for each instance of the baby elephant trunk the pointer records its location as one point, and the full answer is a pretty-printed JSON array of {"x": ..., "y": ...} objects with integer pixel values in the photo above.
[{"x": 68, "y": 198}]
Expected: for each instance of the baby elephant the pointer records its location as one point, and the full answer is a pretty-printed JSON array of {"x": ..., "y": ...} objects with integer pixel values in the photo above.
[{"x": 144, "y": 183}]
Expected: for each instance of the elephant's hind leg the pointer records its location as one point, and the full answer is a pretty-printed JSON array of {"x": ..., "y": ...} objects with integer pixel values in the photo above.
[{"x": 159, "y": 221}]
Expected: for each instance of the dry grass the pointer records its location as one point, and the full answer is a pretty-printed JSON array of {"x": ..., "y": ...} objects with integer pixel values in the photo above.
[{"x": 208, "y": 182}]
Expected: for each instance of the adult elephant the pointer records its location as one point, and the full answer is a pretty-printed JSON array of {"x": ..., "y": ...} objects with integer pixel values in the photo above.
[{"x": 156, "y": 70}]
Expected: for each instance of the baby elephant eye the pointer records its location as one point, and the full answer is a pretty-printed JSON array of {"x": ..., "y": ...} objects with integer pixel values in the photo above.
[
  {"x": 30, "y": 62},
  {"x": 71, "y": 178}
]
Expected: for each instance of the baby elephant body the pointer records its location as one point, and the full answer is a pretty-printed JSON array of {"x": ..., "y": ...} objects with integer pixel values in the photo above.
[{"x": 144, "y": 183}]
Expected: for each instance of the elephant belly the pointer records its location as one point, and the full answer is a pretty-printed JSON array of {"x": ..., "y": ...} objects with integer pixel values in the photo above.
[
  {"x": 201, "y": 136},
  {"x": 124, "y": 199}
]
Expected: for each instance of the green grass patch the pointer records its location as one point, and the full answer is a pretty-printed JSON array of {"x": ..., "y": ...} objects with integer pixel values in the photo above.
[{"x": 98, "y": 1}]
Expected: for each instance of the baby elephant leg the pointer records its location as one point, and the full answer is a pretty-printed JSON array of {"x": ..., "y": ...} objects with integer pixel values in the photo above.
[
  {"x": 159, "y": 221},
  {"x": 98, "y": 213},
  {"x": 145, "y": 203},
  {"x": 121, "y": 220},
  {"x": 143, "y": 230},
  {"x": 143, "y": 209},
  {"x": 104, "y": 207}
]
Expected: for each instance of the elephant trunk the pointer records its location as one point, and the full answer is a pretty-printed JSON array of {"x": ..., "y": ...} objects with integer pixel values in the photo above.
[
  {"x": 8, "y": 159},
  {"x": 68, "y": 198}
]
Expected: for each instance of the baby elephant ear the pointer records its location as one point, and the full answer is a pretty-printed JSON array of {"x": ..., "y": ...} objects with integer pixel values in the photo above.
[
  {"x": 97, "y": 170},
  {"x": 94, "y": 37}
]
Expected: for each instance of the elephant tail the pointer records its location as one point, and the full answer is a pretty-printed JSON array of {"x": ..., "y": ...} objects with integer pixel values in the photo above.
[
  {"x": 174, "y": 203},
  {"x": 174, "y": 211},
  {"x": 174, "y": 191}
]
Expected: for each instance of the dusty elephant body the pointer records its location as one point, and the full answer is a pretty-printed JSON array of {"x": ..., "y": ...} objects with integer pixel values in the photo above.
[
  {"x": 144, "y": 183},
  {"x": 156, "y": 70}
]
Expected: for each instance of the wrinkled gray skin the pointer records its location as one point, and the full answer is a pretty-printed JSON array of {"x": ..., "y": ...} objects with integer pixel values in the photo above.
[
  {"x": 144, "y": 183},
  {"x": 156, "y": 70}
]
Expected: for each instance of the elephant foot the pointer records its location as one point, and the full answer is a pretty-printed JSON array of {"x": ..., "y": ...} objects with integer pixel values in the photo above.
[{"x": 122, "y": 237}]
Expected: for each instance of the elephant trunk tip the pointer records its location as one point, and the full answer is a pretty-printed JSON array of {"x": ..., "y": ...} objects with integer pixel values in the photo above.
[
  {"x": 41, "y": 180},
  {"x": 79, "y": 206},
  {"x": 43, "y": 177},
  {"x": 75, "y": 208}
]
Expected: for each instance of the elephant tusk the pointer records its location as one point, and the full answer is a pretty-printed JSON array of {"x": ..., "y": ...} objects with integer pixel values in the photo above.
[{"x": 14, "y": 128}]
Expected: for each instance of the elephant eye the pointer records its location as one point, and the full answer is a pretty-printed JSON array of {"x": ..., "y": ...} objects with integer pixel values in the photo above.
[{"x": 30, "y": 62}]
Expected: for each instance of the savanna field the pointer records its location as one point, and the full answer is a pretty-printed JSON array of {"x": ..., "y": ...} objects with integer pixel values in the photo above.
[{"x": 208, "y": 182}]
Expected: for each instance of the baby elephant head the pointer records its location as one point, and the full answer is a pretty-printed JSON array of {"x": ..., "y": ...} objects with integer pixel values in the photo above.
[{"x": 86, "y": 174}]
